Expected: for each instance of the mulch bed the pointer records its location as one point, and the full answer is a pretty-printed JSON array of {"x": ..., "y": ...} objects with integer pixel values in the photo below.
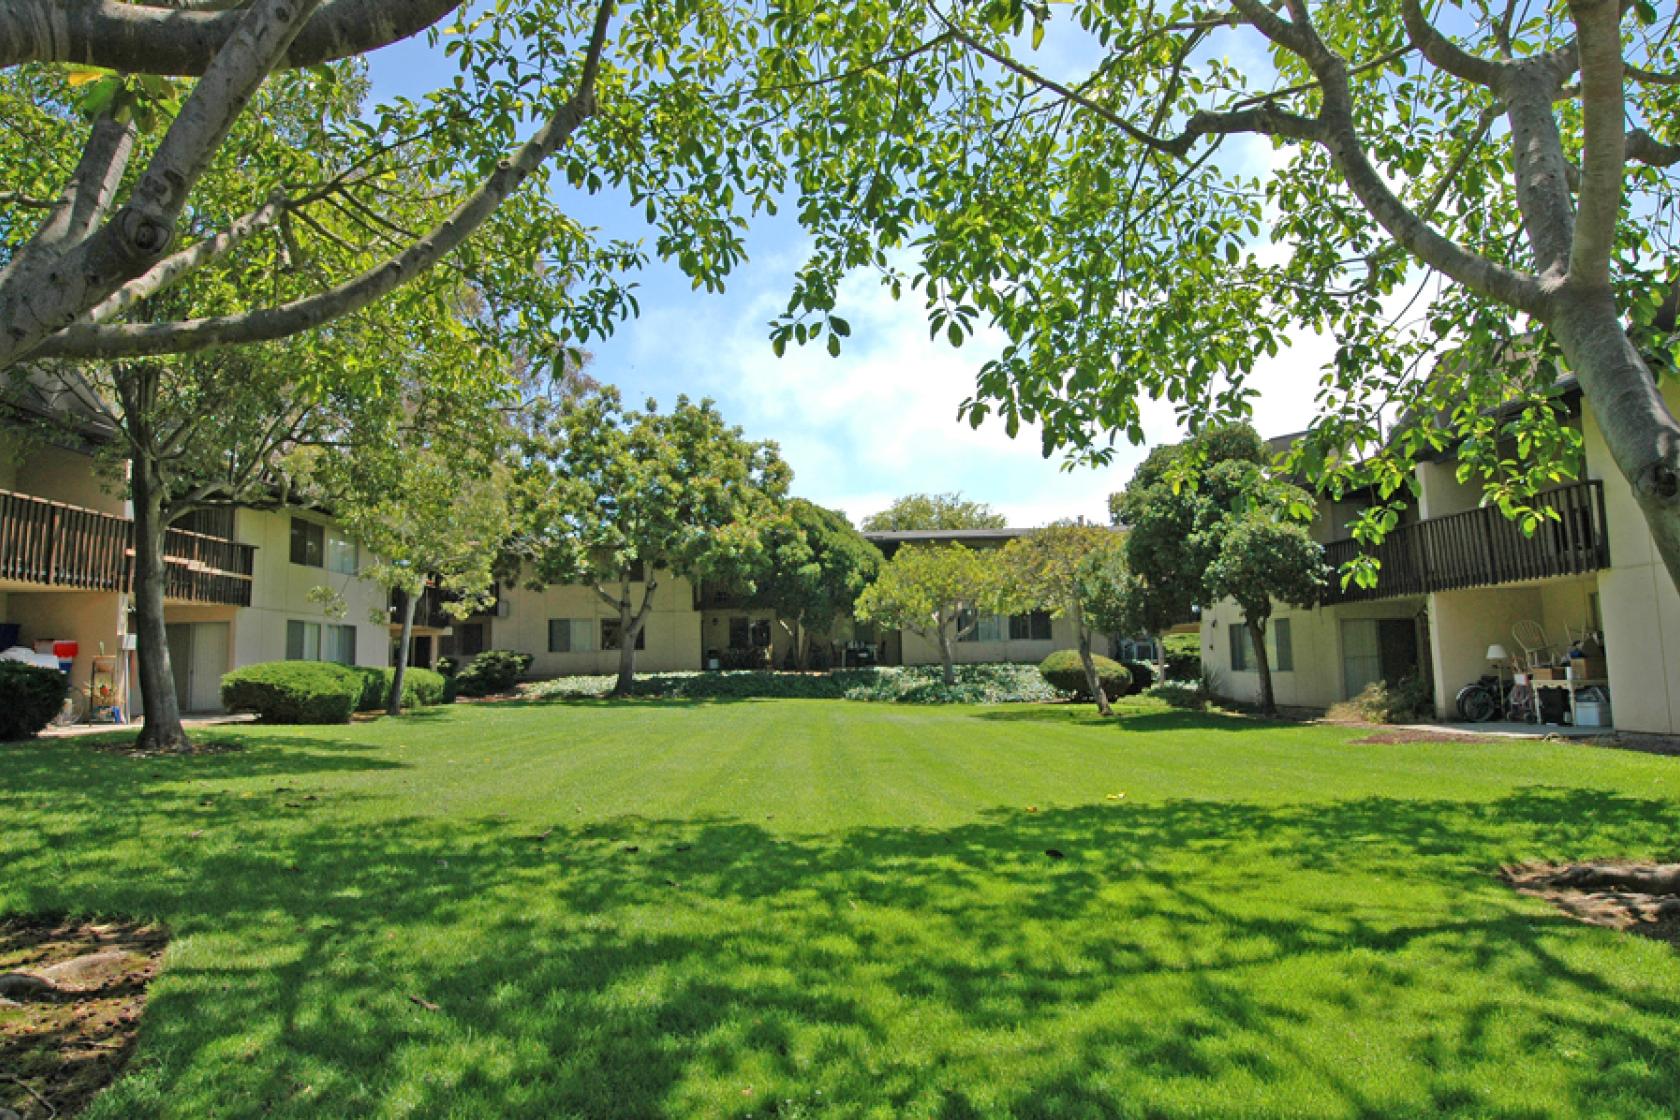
[
  {"x": 128, "y": 748},
  {"x": 1410, "y": 736},
  {"x": 1617, "y": 894},
  {"x": 71, "y": 994}
]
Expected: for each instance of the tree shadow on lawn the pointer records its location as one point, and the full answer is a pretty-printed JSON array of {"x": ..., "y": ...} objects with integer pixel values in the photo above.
[{"x": 1353, "y": 958}]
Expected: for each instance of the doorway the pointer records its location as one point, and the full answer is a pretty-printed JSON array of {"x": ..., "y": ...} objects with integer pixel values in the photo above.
[
  {"x": 198, "y": 651},
  {"x": 1378, "y": 649}
]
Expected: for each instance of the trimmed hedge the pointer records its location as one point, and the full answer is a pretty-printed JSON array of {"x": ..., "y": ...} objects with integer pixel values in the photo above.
[
  {"x": 493, "y": 671},
  {"x": 421, "y": 687},
  {"x": 1063, "y": 671},
  {"x": 294, "y": 691},
  {"x": 30, "y": 696}
]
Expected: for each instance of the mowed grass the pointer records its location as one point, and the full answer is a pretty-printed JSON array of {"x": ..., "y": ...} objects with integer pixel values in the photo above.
[{"x": 831, "y": 909}]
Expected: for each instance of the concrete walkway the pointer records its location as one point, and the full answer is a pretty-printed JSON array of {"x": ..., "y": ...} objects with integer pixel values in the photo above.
[
  {"x": 1506, "y": 729},
  {"x": 189, "y": 722}
]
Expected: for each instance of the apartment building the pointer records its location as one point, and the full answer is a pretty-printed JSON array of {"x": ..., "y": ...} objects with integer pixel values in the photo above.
[
  {"x": 240, "y": 583},
  {"x": 1457, "y": 578}
]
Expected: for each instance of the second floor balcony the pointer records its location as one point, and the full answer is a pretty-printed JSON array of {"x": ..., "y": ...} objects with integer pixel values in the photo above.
[
  {"x": 55, "y": 545},
  {"x": 1482, "y": 548}
]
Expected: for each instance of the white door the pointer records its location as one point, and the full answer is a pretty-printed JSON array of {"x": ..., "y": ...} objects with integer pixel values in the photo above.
[
  {"x": 1361, "y": 654},
  {"x": 208, "y": 662}
]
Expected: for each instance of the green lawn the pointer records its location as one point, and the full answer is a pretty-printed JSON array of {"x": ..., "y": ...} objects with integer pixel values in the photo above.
[{"x": 822, "y": 908}]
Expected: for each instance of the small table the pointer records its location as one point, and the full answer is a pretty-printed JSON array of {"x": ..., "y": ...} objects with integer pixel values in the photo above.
[{"x": 1568, "y": 685}]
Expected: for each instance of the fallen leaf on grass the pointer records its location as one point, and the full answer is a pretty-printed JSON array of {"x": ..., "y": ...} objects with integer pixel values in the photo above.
[
  {"x": 1115, "y": 796},
  {"x": 543, "y": 835},
  {"x": 196, "y": 834},
  {"x": 1055, "y": 853},
  {"x": 421, "y": 1001},
  {"x": 1032, "y": 808}
]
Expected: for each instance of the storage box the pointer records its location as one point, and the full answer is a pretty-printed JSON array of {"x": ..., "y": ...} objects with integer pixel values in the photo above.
[
  {"x": 1592, "y": 713},
  {"x": 1588, "y": 669},
  {"x": 1549, "y": 673}
]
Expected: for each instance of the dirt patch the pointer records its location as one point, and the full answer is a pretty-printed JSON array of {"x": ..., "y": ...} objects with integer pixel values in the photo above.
[
  {"x": 1409, "y": 735},
  {"x": 71, "y": 994},
  {"x": 129, "y": 749},
  {"x": 1642, "y": 898}
]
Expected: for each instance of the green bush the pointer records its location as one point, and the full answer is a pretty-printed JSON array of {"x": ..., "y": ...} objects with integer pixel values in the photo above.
[
  {"x": 918, "y": 684},
  {"x": 493, "y": 671},
  {"x": 421, "y": 687},
  {"x": 1143, "y": 675},
  {"x": 1063, "y": 672},
  {"x": 294, "y": 691},
  {"x": 1183, "y": 656},
  {"x": 30, "y": 696}
]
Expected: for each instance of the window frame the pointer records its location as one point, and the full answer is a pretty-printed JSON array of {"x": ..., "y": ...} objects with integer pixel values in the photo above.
[{"x": 313, "y": 534}]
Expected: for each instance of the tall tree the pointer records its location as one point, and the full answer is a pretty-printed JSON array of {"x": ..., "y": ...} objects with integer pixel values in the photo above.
[
  {"x": 934, "y": 511},
  {"x": 1063, "y": 569},
  {"x": 815, "y": 566},
  {"x": 936, "y": 591},
  {"x": 609, "y": 497},
  {"x": 1206, "y": 521},
  {"x": 1477, "y": 174}
]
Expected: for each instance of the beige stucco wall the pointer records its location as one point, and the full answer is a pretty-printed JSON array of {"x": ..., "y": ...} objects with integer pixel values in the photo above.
[
  {"x": 918, "y": 650},
  {"x": 86, "y": 617},
  {"x": 1315, "y": 639},
  {"x": 672, "y": 630},
  {"x": 280, "y": 592},
  {"x": 1640, "y": 605},
  {"x": 30, "y": 466}
]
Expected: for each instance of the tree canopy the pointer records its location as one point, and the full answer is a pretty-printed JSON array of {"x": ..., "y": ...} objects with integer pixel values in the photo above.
[
  {"x": 936, "y": 591},
  {"x": 615, "y": 498},
  {"x": 1065, "y": 569},
  {"x": 815, "y": 566},
  {"x": 1207, "y": 521},
  {"x": 934, "y": 511}
]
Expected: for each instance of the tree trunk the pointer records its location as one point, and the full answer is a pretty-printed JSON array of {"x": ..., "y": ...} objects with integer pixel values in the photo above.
[
  {"x": 1092, "y": 680},
  {"x": 162, "y": 730},
  {"x": 1257, "y": 635},
  {"x": 947, "y": 660},
  {"x": 1638, "y": 427},
  {"x": 626, "y": 650},
  {"x": 393, "y": 702}
]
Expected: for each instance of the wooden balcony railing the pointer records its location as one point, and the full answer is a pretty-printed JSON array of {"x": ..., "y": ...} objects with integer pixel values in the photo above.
[
  {"x": 58, "y": 545},
  {"x": 1482, "y": 548}
]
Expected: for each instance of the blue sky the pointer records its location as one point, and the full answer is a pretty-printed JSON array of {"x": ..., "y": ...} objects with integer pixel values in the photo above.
[{"x": 880, "y": 420}]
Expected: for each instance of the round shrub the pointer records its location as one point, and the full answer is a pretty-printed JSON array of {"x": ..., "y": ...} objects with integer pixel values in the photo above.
[
  {"x": 421, "y": 687},
  {"x": 30, "y": 696},
  {"x": 1183, "y": 656},
  {"x": 1143, "y": 675},
  {"x": 1063, "y": 672},
  {"x": 493, "y": 671},
  {"x": 294, "y": 691}
]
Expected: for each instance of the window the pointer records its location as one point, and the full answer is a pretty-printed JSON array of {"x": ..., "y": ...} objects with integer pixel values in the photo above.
[
  {"x": 566, "y": 635},
  {"x": 311, "y": 641},
  {"x": 1280, "y": 649},
  {"x": 986, "y": 627},
  {"x": 760, "y": 633},
  {"x": 968, "y": 626},
  {"x": 303, "y": 641},
  {"x": 1034, "y": 627},
  {"x": 610, "y": 635},
  {"x": 338, "y": 643},
  {"x": 740, "y": 632},
  {"x": 309, "y": 543},
  {"x": 341, "y": 554},
  {"x": 636, "y": 572}
]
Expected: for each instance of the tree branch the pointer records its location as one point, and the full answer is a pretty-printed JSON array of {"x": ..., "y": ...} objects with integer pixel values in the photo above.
[
  {"x": 43, "y": 298},
  {"x": 267, "y": 324},
  {"x": 1603, "y": 140},
  {"x": 1446, "y": 54},
  {"x": 1647, "y": 149},
  {"x": 87, "y": 194},
  {"x": 166, "y": 272},
  {"x": 151, "y": 40}
]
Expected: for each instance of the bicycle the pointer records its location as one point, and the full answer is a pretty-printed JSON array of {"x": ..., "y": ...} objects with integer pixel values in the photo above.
[{"x": 1491, "y": 698}]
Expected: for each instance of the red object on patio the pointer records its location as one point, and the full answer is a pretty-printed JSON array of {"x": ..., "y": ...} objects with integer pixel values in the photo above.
[{"x": 66, "y": 651}]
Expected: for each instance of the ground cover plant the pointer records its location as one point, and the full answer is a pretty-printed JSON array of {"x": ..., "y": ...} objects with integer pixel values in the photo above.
[
  {"x": 692, "y": 908},
  {"x": 991, "y": 683}
]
